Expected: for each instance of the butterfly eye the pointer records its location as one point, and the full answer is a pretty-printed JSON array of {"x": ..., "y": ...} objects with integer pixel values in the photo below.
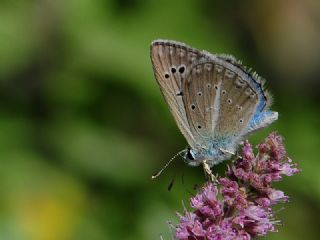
[
  {"x": 189, "y": 154},
  {"x": 241, "y": 120},
  {"x": 199, "y": 93},
  {"x": 229, "y": 101},
  {"x": 199, "y": 126},
  {"x": 224, "y": 91},
  {"x": 173, "y": 70},
  {"x": 193, "y": 106},
  {"x": 208, "y": 85},
  {"x": 166, "y": 75}
]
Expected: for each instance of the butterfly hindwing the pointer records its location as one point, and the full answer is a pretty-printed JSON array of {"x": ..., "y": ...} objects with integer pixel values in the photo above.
[
  {"x": 238, "y": 102},
  {"x": 218, "y": 99}
]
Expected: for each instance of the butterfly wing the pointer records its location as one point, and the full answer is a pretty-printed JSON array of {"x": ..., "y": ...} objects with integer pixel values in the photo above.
[
  {"x": 220, "y": 100},
  {"x": 215, "y": 101},
  {"x": 171, "y": 62}
]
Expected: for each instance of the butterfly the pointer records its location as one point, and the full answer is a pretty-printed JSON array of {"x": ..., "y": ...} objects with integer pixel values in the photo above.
[{"x": 215, "y": 101}]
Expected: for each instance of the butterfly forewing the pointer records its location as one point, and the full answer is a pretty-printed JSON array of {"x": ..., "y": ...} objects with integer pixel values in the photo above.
[{"x": 171, "y": 63}]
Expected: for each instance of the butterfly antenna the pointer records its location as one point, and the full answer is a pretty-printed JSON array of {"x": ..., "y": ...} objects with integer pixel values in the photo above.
[{"x": 166, "y": 165}]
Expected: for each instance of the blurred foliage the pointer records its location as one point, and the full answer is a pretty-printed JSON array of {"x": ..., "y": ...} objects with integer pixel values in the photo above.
[{"x": 83, "y": 124}]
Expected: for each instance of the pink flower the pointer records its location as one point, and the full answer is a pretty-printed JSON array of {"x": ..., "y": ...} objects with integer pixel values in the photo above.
[
  {"x": 288, "y": 169},
  {"x": 189, "y": 226},
  {"x": 206, "y": 202},
  {"x": 263, "y": 202},
  {"x": 276, "y": 196},
  {"x": 221, "y": 231},
  {"x": 239, "y": 208},
  {"x": 233, "y": 195}
]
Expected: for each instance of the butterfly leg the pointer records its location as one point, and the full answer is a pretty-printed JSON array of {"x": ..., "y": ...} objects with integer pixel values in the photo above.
[{"x": 208, "y": 173}]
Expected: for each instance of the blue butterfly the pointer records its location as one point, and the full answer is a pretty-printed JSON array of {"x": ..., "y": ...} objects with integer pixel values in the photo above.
[{"x": 214, "y": 100}]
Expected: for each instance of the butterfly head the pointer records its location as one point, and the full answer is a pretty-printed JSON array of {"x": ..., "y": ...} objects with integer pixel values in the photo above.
[
  {"x": 193, "y": 157},
  {"x": 213, "y": 155}
]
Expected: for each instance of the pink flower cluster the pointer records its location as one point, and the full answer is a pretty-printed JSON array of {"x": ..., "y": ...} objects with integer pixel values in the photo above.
[{"x": 241, "y": 208}]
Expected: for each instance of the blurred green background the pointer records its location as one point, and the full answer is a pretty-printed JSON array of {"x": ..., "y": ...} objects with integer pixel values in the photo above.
[{"x": 83, "y": 125}]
